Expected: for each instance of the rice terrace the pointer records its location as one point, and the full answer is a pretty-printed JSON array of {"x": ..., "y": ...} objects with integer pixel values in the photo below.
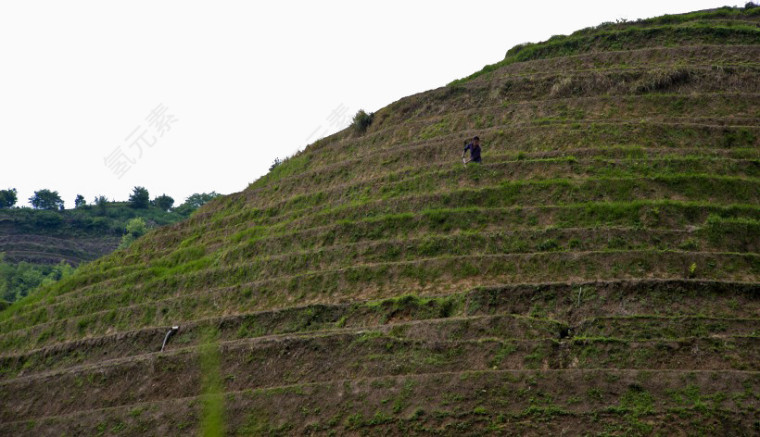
[{"x": 596, "y": 274}]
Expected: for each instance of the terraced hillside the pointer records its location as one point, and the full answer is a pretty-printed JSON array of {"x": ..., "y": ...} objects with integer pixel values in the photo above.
[
  {"x": 25, "y": 240},
  {"x": 598, "y": 273}
]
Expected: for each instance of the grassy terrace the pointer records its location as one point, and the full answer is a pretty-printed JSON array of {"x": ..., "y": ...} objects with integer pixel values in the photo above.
[
  {"x": 583, "y": 221},
  {"x": 598, "y": 272},
  {"x": 597, "y": 310},
  {"x": 508, "y": 123},
  {"x": 526, "y": 395},
  {"x": 430, "y": 233},
  {"x": 373, "y": 355},
  {"x": 402, "y": 257},
  {"x": 251, "y": 293},
  {"x": 727, "y": 26}
]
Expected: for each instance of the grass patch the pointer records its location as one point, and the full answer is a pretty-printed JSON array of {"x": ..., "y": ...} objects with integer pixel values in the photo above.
[{"x": 212, "y": 418}]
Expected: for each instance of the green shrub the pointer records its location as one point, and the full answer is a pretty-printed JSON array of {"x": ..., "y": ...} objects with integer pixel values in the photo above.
[
  {"x": 362, "y": 121},
  {"x": 48, "y": 219},
  {"x": 738, "y": 138},
  {"x": 135, "y": 229},
  {"x": 480, "y": 410},
  {"x": 548, "y": 245}
]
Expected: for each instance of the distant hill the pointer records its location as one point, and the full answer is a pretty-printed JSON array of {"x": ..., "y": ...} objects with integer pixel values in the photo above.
[
  {"x": 41, "y": 246},
  {"x": 597, "y": 274}
]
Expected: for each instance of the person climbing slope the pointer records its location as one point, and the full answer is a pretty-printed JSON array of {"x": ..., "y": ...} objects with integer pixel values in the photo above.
[{"x": 474, "y": 148}]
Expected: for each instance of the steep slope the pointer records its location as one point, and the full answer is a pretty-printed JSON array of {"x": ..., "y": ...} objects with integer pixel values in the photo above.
[{"x": 597, "y": 274}]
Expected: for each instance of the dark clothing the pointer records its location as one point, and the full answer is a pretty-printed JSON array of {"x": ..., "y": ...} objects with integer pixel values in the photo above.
[{"x": 474, "y": 152}]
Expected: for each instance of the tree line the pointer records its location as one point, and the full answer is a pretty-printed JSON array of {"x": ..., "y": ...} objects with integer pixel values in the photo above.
[{"x": 50, "y": 200}]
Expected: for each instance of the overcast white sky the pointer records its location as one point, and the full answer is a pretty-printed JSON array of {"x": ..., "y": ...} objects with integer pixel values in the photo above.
[{"x": 234, "y": 84}]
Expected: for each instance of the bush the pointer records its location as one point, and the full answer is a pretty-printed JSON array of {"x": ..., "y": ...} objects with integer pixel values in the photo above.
[
  {"x": 136, "y": 226},
  {"x": 194, "y": 202},
  {"x": 750, "y": 5},
  {"x": 548, "y": 245},
  {"x": 47, "y": 219},
  {"x": 362, "y": 120},
  {"x": 135, "y": 229}
]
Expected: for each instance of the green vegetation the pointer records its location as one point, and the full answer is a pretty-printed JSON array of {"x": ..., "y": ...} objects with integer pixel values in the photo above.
[
  {"x": 136, "y": 228},
  {"x": 17, "y": 280},
  {"x": 37, "y": 241},
  {"x": 140, "y": 198},
  {"x": 79, "y": 201},
  {"x": 46, "y": 199},
  {"x": 164, "y": 202},
  {"x": 362, "y": 121},
  {"x": 195, "y": 201},
  {"x": 8, "y": 198},
  {"x": 213, "y": 389},
  {"x": 668, "y": 30},
  {"x": 83, "y": 221},
  {"x": 275, "y": 163}
]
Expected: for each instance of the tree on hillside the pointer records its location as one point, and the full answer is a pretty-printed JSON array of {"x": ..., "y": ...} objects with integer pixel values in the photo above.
[
  {"x": 164, "y": 202},
  {"x": 8, "y": 198},
  {"x": 46, "y": 199},
  {"x": 101, "y": 202},
  {"x": 139, "y": 198},
  {"x": 194, "y": 202},
  {"x": 79, "y": 201}
]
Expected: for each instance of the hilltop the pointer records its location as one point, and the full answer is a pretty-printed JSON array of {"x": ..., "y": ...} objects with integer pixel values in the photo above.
[{"x": 597, "y": 274}]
